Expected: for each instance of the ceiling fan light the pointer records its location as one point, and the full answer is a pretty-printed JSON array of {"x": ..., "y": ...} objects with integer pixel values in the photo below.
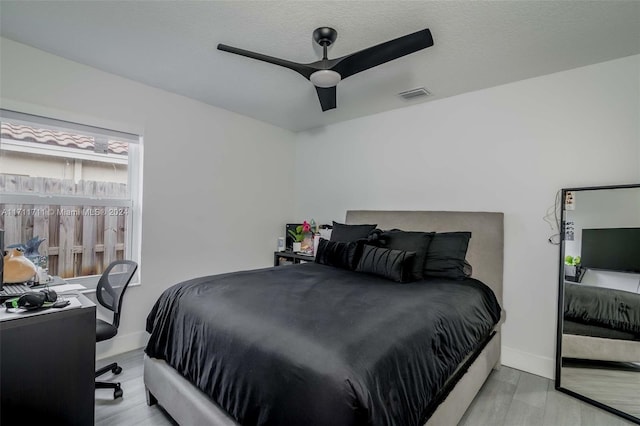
[{"x": 325, "y": 78}]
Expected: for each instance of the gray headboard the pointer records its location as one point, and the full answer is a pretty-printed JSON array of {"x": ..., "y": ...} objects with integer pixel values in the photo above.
[{"x": 486, "y": 246}]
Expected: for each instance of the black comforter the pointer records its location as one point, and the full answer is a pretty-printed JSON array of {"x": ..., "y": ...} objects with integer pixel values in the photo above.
[
  {"x": 316, "y": 345},
  {"x": 603, "y": 307}
]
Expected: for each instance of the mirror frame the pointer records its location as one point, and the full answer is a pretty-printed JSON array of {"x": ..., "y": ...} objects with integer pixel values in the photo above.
[{"x": 560, "y": 314}]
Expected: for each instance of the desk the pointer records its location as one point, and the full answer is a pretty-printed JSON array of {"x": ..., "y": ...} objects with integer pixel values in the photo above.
[{"x": 47, "y": 367}]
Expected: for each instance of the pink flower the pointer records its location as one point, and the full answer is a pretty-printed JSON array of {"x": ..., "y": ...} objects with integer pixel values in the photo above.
[{"x": 306, "y": 227}]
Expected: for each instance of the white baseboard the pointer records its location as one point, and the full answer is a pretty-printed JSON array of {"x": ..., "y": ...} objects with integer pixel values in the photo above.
[
  {"x": 121, "y": 343},
  {"x": 534, "y": 364}
]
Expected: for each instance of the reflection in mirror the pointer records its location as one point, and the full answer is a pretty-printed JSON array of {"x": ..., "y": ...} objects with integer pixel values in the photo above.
[{"x": 599, "y": 306}]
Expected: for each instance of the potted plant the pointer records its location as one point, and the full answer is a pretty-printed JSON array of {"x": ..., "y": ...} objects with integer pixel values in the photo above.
[
  {"x": 299, "y": 235},
  {"x": 572, "y": 269}
]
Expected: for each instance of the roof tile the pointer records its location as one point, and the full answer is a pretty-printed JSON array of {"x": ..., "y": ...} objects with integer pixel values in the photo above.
[{"x": 21, "y": 132}]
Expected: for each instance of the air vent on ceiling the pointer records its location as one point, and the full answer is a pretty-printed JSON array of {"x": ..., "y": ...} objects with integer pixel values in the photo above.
[{"x": 414, "y": 93}]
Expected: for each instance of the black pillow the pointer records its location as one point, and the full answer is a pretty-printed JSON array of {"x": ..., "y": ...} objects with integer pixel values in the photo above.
[
  {"x": 339, "y": 254},
  {"x": 446, "y": 255},
  {"x": 374, "y": 237},
  {"x": 347, "y": 233},
  {"x": 417, "y": 242},
  {"x": 395, "y": 265}
]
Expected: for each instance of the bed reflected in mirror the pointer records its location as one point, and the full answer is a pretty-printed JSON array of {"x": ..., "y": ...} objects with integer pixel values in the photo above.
[{"x": 598, "y": 356}]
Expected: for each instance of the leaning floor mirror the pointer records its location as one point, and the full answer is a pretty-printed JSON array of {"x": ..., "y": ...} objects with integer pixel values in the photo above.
[{"x": 598, "y": 341}]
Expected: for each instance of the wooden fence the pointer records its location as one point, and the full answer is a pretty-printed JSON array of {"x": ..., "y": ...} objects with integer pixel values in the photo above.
[{"x": 79, "y": 239}]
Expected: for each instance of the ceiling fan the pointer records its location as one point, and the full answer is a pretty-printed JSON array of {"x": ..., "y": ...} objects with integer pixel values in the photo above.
[{"x": 326, "y": 73}]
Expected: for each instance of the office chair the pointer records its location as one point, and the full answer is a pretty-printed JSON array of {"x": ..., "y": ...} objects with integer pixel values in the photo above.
[{"x": 110, "y": 291}]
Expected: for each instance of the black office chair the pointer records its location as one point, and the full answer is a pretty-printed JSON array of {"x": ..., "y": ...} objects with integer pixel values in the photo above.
[{"x": 110, "y": 291}]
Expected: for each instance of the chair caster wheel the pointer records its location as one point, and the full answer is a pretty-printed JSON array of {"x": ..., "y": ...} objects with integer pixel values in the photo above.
[
  {"x": 117, "y": 393},
  {"x": 116, "y": 370}
]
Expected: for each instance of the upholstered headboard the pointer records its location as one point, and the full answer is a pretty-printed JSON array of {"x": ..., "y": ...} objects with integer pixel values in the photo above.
[{"x": 485, "y": 253}]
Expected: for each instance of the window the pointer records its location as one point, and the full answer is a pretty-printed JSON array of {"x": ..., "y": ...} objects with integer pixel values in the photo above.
[{"x": 69, "y": 194}]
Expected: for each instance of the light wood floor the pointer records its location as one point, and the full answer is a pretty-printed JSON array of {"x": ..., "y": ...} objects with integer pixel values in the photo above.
[
  {"x": 508, "y": 398},
  {"x": 616, "y": 388}
]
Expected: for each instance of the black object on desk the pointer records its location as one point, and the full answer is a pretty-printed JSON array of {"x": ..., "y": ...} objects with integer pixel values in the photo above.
[
  {"x": 10, "y": 291},
  {"x": 47, "y": 367}
]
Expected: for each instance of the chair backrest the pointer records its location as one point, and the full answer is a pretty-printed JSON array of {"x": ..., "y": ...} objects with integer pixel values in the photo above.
[{"x": 112, "y": 285}]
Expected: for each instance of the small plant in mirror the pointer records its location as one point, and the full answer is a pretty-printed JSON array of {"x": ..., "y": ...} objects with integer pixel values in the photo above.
[
  {"x": 572, "y": 260},
  {"x": 573, "y": 269}
]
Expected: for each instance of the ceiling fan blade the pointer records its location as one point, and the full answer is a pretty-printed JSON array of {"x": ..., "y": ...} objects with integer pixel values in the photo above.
[
  {"x": 381, "y": 53},
  {"x": 302, "y": 69},
  {"x": 327, "y": 96}
]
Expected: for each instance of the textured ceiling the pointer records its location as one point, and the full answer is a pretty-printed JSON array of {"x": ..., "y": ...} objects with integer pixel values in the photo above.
[{"x": 172, "y": 45}]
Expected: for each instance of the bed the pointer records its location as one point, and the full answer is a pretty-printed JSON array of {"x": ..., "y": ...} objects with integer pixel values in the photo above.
[
  {"x": 364, "y": 355},
  {"x": 600, "y": 324}
]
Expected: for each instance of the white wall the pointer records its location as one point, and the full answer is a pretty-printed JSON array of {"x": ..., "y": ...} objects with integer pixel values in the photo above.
[
  {"x": 510, "y": 149},
  {"x": 208, "y": 173}
]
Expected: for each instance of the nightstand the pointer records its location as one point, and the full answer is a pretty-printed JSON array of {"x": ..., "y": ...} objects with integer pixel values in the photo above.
[{"x": 290, "y": 258}]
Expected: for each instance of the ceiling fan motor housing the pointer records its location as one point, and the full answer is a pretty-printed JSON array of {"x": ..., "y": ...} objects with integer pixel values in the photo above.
[{"x": 325, "y": 36}]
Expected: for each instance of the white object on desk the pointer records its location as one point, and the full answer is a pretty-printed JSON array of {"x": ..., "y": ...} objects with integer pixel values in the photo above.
[
  {"x": 63, "y": 288},
  {"x": 21, "y": 313},
  {"x": 43, "y": 276}
]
